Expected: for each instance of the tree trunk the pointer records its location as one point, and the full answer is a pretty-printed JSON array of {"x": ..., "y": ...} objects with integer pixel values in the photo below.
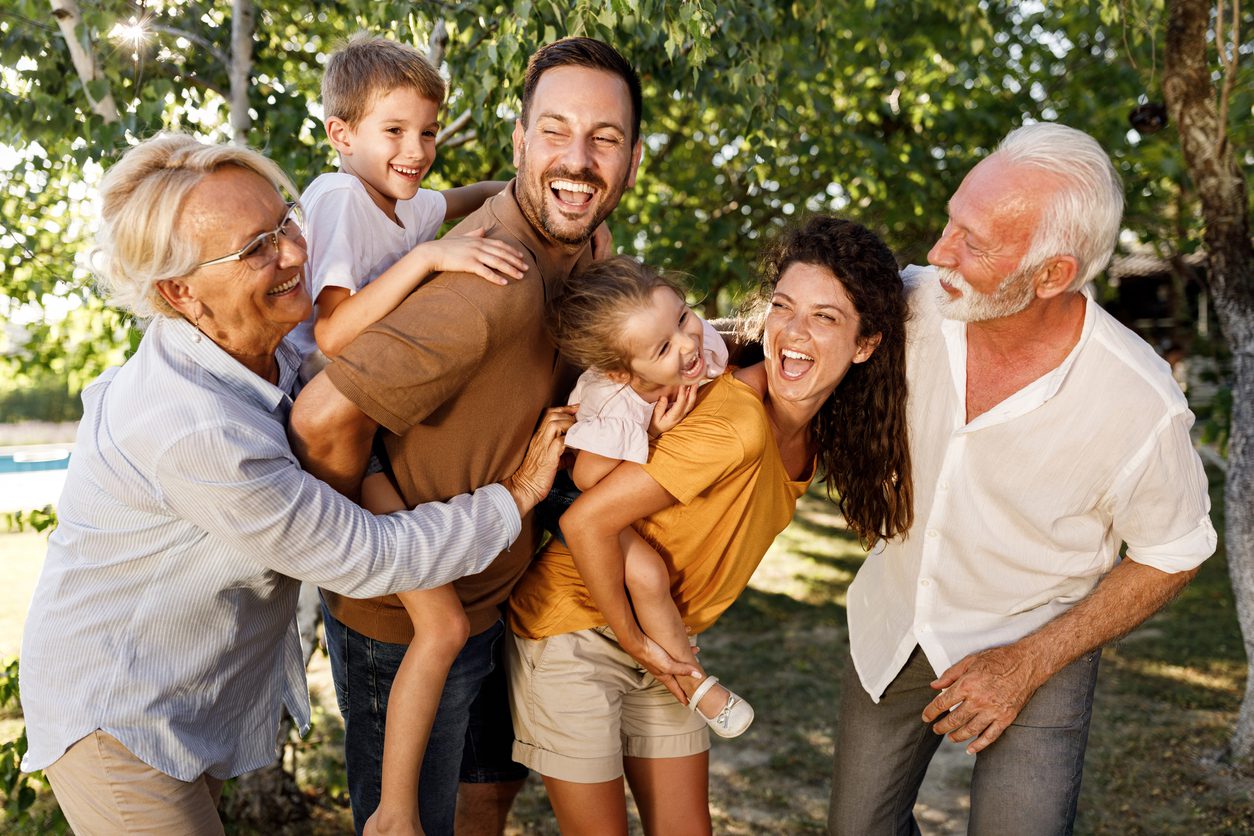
[
  {"x": 243, "y": 21},
  {"x": 1191, "y": 96},
  {"x": 68, "y": 19}
]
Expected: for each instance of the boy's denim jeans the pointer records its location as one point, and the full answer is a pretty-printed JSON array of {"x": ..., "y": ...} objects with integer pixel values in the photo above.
[{"x": 471, "y": 737}]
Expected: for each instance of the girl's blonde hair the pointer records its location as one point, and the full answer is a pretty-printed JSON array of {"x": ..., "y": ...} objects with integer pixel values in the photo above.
[
  {"x": 586, "y": 319},
  {"x": 139, "y": 242}
]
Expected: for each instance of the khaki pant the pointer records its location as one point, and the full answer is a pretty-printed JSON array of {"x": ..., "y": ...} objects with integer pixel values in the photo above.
[{"x": 104, "y": 789}]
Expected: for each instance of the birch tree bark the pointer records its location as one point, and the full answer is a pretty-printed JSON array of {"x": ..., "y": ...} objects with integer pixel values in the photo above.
[
  {"x": 240, "y": 70},
  {"x": 69, "y": 19},
  {"x": 1191, "y": 98}
]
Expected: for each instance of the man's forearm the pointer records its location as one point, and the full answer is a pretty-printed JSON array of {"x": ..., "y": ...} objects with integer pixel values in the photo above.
[
  {"x": 330, "y": 436},
  {"x": 1128, "y": 595}
]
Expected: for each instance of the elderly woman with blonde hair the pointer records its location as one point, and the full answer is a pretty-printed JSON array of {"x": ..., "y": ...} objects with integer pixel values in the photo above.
[{"x": 161, "y": 645}]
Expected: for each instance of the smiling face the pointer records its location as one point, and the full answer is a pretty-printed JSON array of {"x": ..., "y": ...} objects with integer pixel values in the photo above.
[
  {"x": 664, "y": 341},
  {"x": 576, "y": 157},
  {"x": 391, "y": 148},
  {"x": 243, "y": 309},
  {"x": 811, "y": 336},
  {"x": 992, "y": 218}
]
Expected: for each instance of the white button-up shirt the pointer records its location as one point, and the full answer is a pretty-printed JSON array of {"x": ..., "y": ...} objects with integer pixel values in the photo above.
[
  {"x": 165, "y": 611},
  {"x": 1020, "y": 513}
]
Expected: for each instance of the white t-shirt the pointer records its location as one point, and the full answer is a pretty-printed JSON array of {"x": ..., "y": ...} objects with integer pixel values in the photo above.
[
  {"x": 1020, "y": 513},
  {"x": 351, "y": 242}
]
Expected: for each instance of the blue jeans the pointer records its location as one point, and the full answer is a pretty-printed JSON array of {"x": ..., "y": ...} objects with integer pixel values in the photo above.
[
  {"x": 470, "y": 739},
  {"x": 1026, "y": 782}
]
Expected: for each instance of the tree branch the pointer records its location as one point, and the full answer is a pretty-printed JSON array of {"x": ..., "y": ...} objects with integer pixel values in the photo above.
[
  {"x": 68, "y": 19},
  {"x": 437, "y": 43},
  {"x": 200, "y": 41},
  {"x": 460, "y": 122},
  {"x": 459, "y": 140}
]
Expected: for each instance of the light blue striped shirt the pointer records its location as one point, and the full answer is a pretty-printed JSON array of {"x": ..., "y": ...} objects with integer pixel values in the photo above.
[{"x": 165, "y": 612}]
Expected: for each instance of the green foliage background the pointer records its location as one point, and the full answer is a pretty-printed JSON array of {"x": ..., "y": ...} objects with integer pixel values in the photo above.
[{"x": 756, "y": 112}]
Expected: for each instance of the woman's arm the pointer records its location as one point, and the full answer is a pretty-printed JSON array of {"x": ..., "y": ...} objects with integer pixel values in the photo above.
[
  {"x": 241, "y": 486},
  {"x": 591, "y": 528}
]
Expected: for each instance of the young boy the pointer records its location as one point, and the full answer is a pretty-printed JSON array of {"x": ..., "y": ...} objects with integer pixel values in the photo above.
[
  {"x": 370, "y": 231},
  {"x": 370, "y": 227}
]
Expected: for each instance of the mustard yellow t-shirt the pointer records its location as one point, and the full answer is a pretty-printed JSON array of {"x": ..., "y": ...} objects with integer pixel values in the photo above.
[{"x": 733, "y": 496}]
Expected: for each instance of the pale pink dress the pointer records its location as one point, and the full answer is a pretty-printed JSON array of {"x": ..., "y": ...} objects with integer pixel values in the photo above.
[{"x": 613, "y": 420}]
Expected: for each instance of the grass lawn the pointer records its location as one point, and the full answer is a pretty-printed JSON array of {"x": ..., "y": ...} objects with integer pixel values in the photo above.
[{"x": 1166, "y": 699}]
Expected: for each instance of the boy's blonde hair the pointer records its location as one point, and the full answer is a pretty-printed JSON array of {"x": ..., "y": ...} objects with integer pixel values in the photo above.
[
  {"x": 586, "y": 318},
  {"x": 367, "y": 67}
]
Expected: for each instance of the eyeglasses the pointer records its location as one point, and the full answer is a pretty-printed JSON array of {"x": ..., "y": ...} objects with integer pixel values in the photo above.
[{"x": 255, "y": 253}]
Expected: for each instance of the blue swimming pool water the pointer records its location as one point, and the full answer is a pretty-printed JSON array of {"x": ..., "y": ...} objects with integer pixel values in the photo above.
[{"x": 43, "y": 460}]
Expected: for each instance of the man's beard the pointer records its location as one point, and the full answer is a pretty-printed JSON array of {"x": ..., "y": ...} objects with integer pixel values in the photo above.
[
  {"x": 538, "y": 211},
  {"x": 1013, "y": 294}
]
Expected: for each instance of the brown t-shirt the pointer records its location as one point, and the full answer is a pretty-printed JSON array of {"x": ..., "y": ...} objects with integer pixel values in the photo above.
[{"x": 459, "y": 375}]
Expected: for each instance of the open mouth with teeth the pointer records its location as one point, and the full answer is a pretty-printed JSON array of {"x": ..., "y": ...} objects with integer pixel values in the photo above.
[
  {"x": 793, "y": 364},
  {"x": 407, "y": 172},
  {"x": 287, "y": 286},
  {"x": 571, "y": 193},
  {"x": 693, "y": 369}
]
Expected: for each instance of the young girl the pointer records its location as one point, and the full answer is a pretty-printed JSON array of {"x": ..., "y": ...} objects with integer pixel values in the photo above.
[{"x": 645, "y": 353}]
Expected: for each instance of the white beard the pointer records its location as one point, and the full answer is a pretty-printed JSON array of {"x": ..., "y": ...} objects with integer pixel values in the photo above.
[{"x": 1015, "y": 293}]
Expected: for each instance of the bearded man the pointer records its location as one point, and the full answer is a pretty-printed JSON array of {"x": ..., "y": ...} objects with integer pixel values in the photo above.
[
  {"x": 458, "y": 375},
  {"x": 1043, "y": 436}
]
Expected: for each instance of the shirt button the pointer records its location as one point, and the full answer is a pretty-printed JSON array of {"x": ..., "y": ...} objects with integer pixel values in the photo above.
[
  {"x": 931, "y": 532},
  {"x": 944, "y": 486},
  {"x": 925, "y": 582}
]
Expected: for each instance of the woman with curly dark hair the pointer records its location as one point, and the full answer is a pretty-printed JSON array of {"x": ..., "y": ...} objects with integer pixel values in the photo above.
[
  {"x": 860, "y": 432},
  {"x": 588, "y": 685}
]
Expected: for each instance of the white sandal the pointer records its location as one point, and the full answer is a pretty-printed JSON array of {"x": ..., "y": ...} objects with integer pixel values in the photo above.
[{"x": 735, "y": 717}]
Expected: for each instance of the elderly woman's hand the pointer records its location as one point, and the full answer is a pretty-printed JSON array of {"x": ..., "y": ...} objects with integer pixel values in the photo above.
[{"x": 533, "y": 479}]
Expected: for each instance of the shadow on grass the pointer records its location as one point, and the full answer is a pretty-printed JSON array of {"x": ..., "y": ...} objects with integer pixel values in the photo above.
[
  {"x": 757, "y": 610},
  {"x": 786, "y": 656},
  {"x": 817, "y": 526}
]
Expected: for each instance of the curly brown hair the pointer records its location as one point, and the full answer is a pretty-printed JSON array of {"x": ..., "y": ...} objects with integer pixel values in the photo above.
[
  {"x": 585, "y": 319},
  {"x": 860, "y": 432}
]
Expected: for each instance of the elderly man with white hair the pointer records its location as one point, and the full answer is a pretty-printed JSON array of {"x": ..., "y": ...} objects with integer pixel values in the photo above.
[{"x": 1044, "y": 435}]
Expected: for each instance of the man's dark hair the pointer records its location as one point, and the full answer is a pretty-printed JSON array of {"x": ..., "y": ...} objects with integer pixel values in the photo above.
[{"x": 583, "y": 52}]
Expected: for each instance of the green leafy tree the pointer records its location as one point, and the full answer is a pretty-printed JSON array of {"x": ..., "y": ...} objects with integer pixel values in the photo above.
[{"x": 755, "y": 113}]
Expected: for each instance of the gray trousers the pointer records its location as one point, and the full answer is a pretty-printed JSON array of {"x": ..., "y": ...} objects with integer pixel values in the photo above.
[{"x": 1027, "y": 782}]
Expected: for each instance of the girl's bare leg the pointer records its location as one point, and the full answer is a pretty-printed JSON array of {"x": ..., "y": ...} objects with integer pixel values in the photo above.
[
  {"x": 649, "y": 583},
  {"x": 440, "y": 632}
]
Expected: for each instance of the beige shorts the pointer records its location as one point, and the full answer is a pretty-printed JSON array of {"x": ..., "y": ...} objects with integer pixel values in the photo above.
[{"x": 581, "y": 704}]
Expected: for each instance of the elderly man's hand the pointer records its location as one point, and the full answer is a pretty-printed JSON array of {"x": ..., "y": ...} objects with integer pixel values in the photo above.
[{"x": 984, "y": 693}]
